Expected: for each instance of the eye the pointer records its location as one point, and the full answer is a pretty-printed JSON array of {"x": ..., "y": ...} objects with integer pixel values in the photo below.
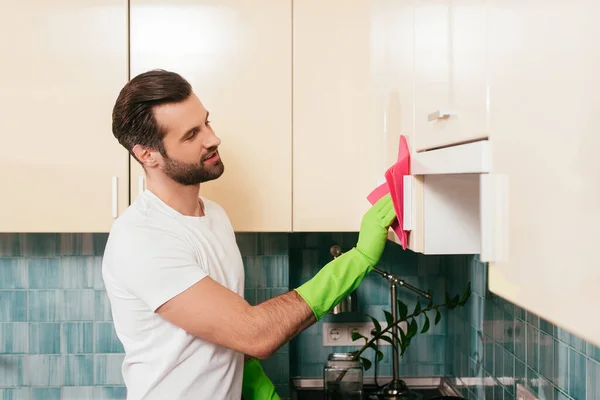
[
  {"x": 192, "y": 134},
  {"x": 208, "y": 123}
]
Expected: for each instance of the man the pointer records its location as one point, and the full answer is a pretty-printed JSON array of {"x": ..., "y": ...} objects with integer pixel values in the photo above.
[{"x": 173, "y": 271}]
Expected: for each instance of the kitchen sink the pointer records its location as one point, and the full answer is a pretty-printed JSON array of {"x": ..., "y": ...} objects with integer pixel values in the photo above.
[{"x": 429, "y": 388}]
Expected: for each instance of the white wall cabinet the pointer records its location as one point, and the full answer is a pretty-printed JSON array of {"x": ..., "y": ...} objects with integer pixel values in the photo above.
[
  {"x": 450, "y": 72},
  {"x": 237, "y": 55},
  {"x": 529, "y": 198},
  {"x": 63, "y": 64}
]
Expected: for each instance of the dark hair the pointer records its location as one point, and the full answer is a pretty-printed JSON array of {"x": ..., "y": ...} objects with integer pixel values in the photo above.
[{"x": 133, "y": 120}]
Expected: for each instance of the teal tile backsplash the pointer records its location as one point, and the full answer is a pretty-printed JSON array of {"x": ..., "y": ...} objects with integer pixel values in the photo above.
[
  {"x": 426, "y": 355},
  {"x": 494, "y": 345},
  {"x": 57, "y": 340}
]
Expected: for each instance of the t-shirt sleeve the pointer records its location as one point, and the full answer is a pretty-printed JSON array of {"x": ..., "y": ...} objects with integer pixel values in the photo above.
[{"x": 163, "y": 265}]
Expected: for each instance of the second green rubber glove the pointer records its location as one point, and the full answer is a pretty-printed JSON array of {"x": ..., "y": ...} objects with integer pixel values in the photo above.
[
  {"x": 256, "y": 385},
  {"x": 341, "y": 276}
]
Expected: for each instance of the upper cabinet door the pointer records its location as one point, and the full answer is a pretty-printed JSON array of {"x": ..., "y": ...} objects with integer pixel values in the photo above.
[
  {"x": 63, "y": 64},
  {"x": 451, "y": 72},
  {"x": 338, "y": 156},
  {"x": 544, "y": 63},
  {"x": 237, "y": 56}
]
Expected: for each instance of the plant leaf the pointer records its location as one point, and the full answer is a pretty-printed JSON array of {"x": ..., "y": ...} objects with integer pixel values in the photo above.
[
  {"x": 404, "y": 341},
  {"x": 379, "y": 355},
  {"x": 417, "y": 307},
  {"x": 425, "y": 325},
  {"x": 388, "y": 318},
  {"x": 387, "y": 339},
  {"x": 373, "y": 345},
  {"x": 402, "y": 310},
  {"x": 466, "y": 295},
  {"x": 376, "y": 323},
  {"x": 366, "y": 363},
  {"x": 438, "y": 316},
  {"x": 358, "y": 335},
  {"x": 413, "y": 329},
  {"x": 451, "y": 303}
]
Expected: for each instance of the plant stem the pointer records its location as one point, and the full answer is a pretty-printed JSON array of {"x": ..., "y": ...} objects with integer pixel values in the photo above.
[{"x": 376, "y": 337}]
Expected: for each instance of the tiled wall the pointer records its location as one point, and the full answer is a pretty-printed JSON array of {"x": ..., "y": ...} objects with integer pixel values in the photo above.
[
  {"x": 493, "y": 345},
  {"x": 426, "y": 354},
  {"x": 57, "y": 339}
]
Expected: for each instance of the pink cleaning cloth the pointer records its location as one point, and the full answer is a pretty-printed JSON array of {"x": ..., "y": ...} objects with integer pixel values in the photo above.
[{"x": 395, "y": 186}]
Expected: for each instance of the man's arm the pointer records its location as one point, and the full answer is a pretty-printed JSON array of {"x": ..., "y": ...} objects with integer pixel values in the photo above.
[{"x": 216, "y": 314}]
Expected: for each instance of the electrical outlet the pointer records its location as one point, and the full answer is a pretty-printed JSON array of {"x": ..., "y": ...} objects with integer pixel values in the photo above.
[{"x": 340, "y": 333}]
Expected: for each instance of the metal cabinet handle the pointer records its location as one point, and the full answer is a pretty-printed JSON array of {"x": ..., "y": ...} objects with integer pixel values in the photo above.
[
  {"x": 440, "y": 114},
  {"x": 115, "y": 196}
]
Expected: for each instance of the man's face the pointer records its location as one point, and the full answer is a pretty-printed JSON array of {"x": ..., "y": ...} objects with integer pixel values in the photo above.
[{"x": 191, "y": 146}]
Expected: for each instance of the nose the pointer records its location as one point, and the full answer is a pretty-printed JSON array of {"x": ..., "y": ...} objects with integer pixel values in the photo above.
[{"x": 212, "y": 140}]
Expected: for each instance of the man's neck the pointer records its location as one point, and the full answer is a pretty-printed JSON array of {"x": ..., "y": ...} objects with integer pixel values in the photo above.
[{"x": 183, "y": 199}]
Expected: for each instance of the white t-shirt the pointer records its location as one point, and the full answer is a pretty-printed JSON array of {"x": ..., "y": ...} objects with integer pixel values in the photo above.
[{"x": 154, "y": 253}]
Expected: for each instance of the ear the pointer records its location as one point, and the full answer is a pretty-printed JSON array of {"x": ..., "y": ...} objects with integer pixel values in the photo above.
[{"x": 147, "y": 156}]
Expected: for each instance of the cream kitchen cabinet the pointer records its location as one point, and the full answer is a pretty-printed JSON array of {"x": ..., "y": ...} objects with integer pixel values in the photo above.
[
  {"x": 451, "y": 92},
  {"x": 544, "y": 62},
  {"x": 63, "y": 64},
  {"x": 237, "y": 55},
  {"x": 526, "y": 198},
  {"x": 352, "y": 99}
]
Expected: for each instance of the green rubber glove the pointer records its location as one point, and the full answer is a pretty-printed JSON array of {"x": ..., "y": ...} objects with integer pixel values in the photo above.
[
  {"x": 341, "y": 276},
  {"x": 256, "y": 384}
]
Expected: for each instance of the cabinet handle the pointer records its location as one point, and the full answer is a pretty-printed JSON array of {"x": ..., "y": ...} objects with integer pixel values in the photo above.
[
  {"x": 115, "y": 196},
  {"x": 141, "y": 182},
  {"x": 494, "y": 217},
  {"x": 439, "y": 114}
]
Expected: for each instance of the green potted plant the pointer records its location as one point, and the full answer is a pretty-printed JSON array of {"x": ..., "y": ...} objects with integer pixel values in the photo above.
[{"x": 395, "y": 335}]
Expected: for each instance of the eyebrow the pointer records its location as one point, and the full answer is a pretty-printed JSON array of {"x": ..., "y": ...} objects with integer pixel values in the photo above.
[{"x": 189, "y": 131}]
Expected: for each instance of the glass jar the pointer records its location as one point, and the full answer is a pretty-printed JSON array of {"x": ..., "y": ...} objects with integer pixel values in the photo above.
[{"x": 343, "y": 377}]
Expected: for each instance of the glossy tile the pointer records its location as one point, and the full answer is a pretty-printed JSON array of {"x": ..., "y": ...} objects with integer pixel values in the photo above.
[
  {"x": 79, "y": 305},
  {"x": 13, "y": 306},
  {"x": 79, "y": 370},
  {"x": 77, "y": 392},
  {"x": 76, "y": 244},
  {"x": 14, "y": 393},
  {"x": 270, "y": 244},
  {"x": 45, "y": 394},
  {"x": 13, "y": 337},
  {"x": 45, "y": 305},
  {"x": 44, "y": 273},
  {"x": 110, "y": 393},
  {"x": 548, "y": 359},
  {"x": 44, "y": 338},
  {"x": 108, "y": 369},
  {"x": 13, "y": 370},
  {"x": 45, "y": 370},
  {"x": 102, "y": 306},
  {"x": 577, "y": 374},
  {"x": 78, "y": 337},
  {"x": 13, "y": 273},
  {"x": 593, "y": 380},
  {"x": 40, "y": 244},
  {"x": 10, "y": 244},
  {"x": 106, "y": 339},
  {"x": 78, "y": 272}
]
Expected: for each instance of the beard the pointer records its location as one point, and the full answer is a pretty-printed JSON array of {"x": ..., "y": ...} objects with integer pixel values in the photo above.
[{"x": 188, "y": 174}]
